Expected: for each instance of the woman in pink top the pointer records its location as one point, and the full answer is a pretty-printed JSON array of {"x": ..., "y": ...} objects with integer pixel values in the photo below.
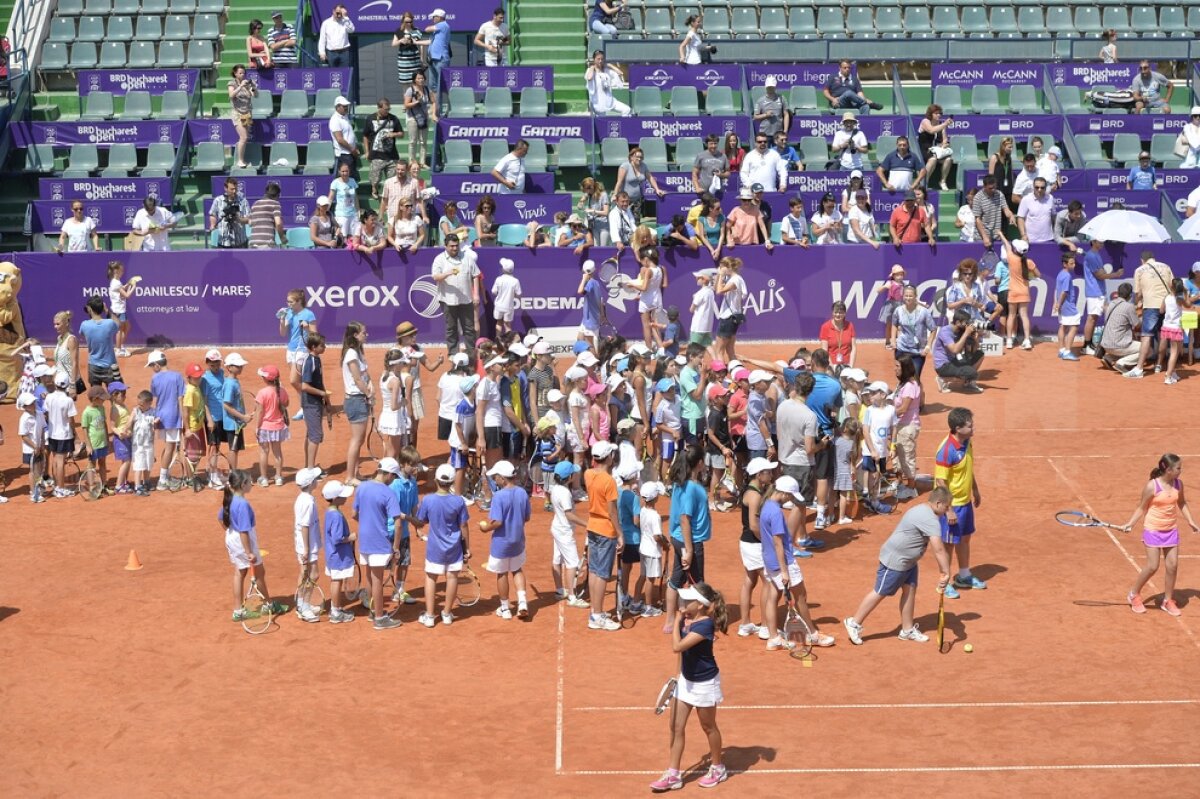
[
  {"x": 1161, "y": 503},
  {"x": 908, "y": 424},
  {"x": 598, "y": 413},
  {"x": 272, "y": 403}
]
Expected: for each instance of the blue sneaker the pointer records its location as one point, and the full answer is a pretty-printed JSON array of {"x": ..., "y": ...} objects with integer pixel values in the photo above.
[
  {"x": 811, "y": 543},
  {"x": 970, "y": 582},
  {"x": 1068, "y": 356},
  {"x": 801, "y": 553},
  {"x": 951, "y": 593}
]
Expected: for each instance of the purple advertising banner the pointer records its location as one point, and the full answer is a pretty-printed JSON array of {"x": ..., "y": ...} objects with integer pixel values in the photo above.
[
  {"x": 484, "y": 183},
  {"x": 1095, "y": 202},
  {"x": 681, "y": 183},
  {"x": 263, "y": 131},
  {"x": 1144, "y": 125},
  {"x": 882, "y": 204},
  {"x": 511, "y": 209},
  {"x": 1085, "y": 76},
  {"x": 1072, "y": 179},
  {"x": 513, "y": 78},
  {"x": 633, "y": 129},
  {"x": 111, "y": 216},
  {"x": 224, "y": 297},
  {"x": 290, "y": 186},
  {"x": 68, "y": 189},
  {"x": 1002, "y": 75},
  {"x": 553, "y": 130},
  {"x": 1019, "y": 127},
  {"x": 1176, "y": 183},
  {"x": 834, "y": 181},
  {"x": 123, "y": 81},
  {"x": 789, "y": 75},
  {"x": 825, "y": 126},
  {"x": 311, "y": 81},
  {"x": 699, "y": 76},
  {"x": 101, "y": 134},
  {"x": 383, "y": 16}
]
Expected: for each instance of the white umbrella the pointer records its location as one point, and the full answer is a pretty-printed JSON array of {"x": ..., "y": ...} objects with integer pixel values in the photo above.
[
  {"x": 1190, "y": 229},
  {"x": 1126, "y": 226}
]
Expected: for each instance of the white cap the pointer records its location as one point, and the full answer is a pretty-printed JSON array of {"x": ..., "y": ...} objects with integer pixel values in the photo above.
[
  {"x": 629, "y": 472},
  {"x": 306, "y": 477},
  {"x": 502, "y": 469},
  {"x": 554, "y": 395},
  {"x": 340, "y": 101},
  {"x": 788, "y": 485},
  {"x": 589, "y": 266},
  {"x": 689, "y": 594},
  {"x": 575, "y": 373},
  {"x": 25, "y": 400},
  {"x": 1020, "y": 246},
  {"x": 770, "y": 81},
  {"x": 759, "y": 375},
  {"x": 235, "y": 359},
  {"x": 323, "y": 200},
  {"x": 855, "y": 173},
  {"x": 460, "y": 359},
  {"x": 499, "y": 360},
  {"x": 518, "y": 349},
  {"x": 213, "y": 355},
  {"x": 1054, "y": 151},
  {"x": 757, "y": 465},
  {"x": 855, "y": 374},
  {"x": 878, "y": 385},
  {"x": 444, "y": 473},
  {"x": 587, "y": 358},
  {"x": 628, "y": 423},
  {"x": 639, "y": 348},
  {"x": 615, "y": 381},
  {"x": 541, "y": 348},
  {"x": 734, "y": 364},
  {"x": 335, "y": 488},
  {"x": 61, "y": 380},
  {"x": 708, "y": 273},
  {"x": 681, "y": 359},
  {"x": 157, "y": 356},
  {"x": 1196, "y": 110},
  {"x": 652, "y": 490},
  {"x": 531, "y": 339},
  {"x": 41, "y": 370},
  {"x": 602, "y": 449},
  {"x": 437, "y": 12},
  {"x": 507, "y": 264},
  {"x": 745, "y": 193},
  {"x": 389, "y": 465}
]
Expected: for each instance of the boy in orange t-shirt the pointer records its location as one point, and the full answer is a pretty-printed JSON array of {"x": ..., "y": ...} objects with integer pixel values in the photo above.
[{"x": 603, "y": 543}]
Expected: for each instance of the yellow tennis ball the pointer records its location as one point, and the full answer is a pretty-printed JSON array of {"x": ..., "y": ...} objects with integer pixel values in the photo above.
[
  {"x": 968, "y": 648},
  {"x": 483, "y": 525}
]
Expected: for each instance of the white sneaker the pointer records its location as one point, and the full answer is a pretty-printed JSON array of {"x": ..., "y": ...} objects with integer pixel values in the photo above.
[
  {"x": 748, "y": 629},
  {"x": 602, "y": 622},
  {"x": 942, "y": 387},
  {"x": 1135, "y": 373},
  {"x": 426, "y": 620},
  {"x": 447, "y": 618},
  {"x": 845, "y": 520},
  {"x": 575, "y": 602},
  {"x": 1026, "y": 344},
  {"x": 913, "y": 635},
  {"x": 764, "y": 634},
  {"x": 779, "y": 642},
  {"x": 263, "y": 482},
  {"x": 820, "y": 639},
  {"x": 821, "y": 522},
  {"x": 853, "y": 631},
  {"x": 504, "y": 612},
  {"x": 1008, "y": 343},
  {"x": 279, "y": 479},
  {"x": 310, "y": 615},
  {"x": 522, "y": 610}
]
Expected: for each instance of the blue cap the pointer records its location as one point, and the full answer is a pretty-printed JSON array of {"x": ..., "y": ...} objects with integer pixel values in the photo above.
[
  {"x": 468, "y": 383},
  {"x": 565, "y": 469},
  {"x": 117, "y": 385},
  {"x": 664, "y": 385},
  {"x": 579, "y": 347},
  {"x": 623, "y": 365}
]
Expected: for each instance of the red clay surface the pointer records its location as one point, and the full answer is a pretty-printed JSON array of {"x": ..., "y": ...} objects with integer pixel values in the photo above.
[{"x": 127, "y": 683}]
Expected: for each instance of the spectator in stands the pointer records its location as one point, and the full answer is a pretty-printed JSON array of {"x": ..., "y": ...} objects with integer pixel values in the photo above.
[
  {"x": 1151, "y": 90},
  {"x": 933, "y": 140},
  {"x": 459, "y": 287},
  {"x": 1189, "y": 140},
  {"x": 1000, "y": 167},
  {"x": 710, "y": 169},
  {"x": 770, "y": 110},
  {"x": 1067, "y": 223},
  {"x": 439, "y": 55},
  {"x": 1141, "y": 176},
  {"x": 407, "y": 40},
  {"x": 1023, "y": 185},
  {"x": 341, "y": 131},
  {"x": 853, "y": 186},
  {"x": 323, "y": 228},
  {"x": 929, "y": 232},
  {"x": 229, "y": 215},
  {"x": 1049, "y": 167},
  {"x": 850, "y": 143},
  {"x": 1094, "y": 275},
  {"x": 593, "y": 202},
  {"x": 710, "y": 226},
  {"x": 601, "y": 78},
  {"x": 510, "y": 170},
  {"x": 956, "y": 353},
  {"x": 575, "y": 234},
  {"x": 787, "y": 153},
  {"x": 78, "y": 231},
  {"x": 990, "y": 208},
  {"x": 154, "y": 223},
  {"x": 451, "y": 224},
  {"x": 1121, "y": 351},
  {"x": 965, "y": 219},
  {"x": 416, "y": 113},
  {"x": 407, "y": 231},
  {"x": 764, "y": 208},
  {"x": 908, "y": 220},
  {"x": 678, "y": 234},
  {"x": 601, "y": 19},
  {"x": 900, "y": 169},
  {"x": 343, "y": 193},
  {"x": 493, "y": 39},
  {"x": 693, "y": 48},
  {"x": 1108, "y": 53},
  {"x": 734, "y": 152},
  {"x": 1035, "y": 214},
  {"x": 487, "y": 231},
  {"x": 827, "y": 222},
  {"x": 793, "y": 228},
  {"x": 862, "y": 228},
  {"x": 266, "y": 219},
  {"x": 379, "y": 142},
  {"x": 1192, "y": 203},
  {"x": 763, "y": 165},
  {"x": 621, "y": 223},
  {"x": 1151, "y": 285},
  {"x": 631, "y": 175},
  {"x": 370, "y": 238},
  {"x": 843, "y": 89},
  {"x": 333, "y": 41},
  {"x": 745, "y": 223},
  {"x": 401, "y": 186},
  {"x": 281, "y": 39},
  {"x": 257, "y": 51},
  {"x": 241, "y": 92}
]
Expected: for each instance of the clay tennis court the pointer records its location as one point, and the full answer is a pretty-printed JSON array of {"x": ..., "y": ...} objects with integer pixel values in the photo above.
[{"x": 119, "y": 682}]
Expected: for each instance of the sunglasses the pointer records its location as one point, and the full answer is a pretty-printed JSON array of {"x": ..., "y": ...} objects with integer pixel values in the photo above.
[
  {"x": 760, "y": 141},
  {"x": 77, "y": 208}
]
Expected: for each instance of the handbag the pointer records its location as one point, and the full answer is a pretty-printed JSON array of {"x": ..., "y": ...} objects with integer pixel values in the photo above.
[
  {"x": 1182, "y": 148},
  {"x": 623, "y": 20}
]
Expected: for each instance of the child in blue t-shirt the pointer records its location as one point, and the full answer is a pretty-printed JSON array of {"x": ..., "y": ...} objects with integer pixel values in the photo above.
[
  {"x": 339, "y": 548},
  {"x": 241, "y": 542},
  {"x": 628, "y": 511},
  {"x": 1066, "y": 307},
  {"x": 448, "y": 542},
  {"x": 671, "y": 332},
  {"x": 405, "y": 489},
  {"x": 508, "y": 514}
]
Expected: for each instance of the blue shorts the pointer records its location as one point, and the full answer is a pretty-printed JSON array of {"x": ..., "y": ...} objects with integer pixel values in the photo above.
[
  {"x": 355, "y": 408},
  {"x": 120, "y": 448},
  {"x": 965, "y": 526},
  {"x": 457, "y": 458},
  {"x": 98, "y": 454},
  {"x": 602, "y": 555},
  {"x": 120, "y": 317},
  {"x": 668, "y": 448},
  {"x": 1151, "y": 321},
  {"x": 868, "y": 465},
  {"x": 889, "y": 581}
]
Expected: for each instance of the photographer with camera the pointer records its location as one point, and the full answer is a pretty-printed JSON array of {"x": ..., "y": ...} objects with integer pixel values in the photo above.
[
  {"x": 956, "y": 352},
  {"x": 493, "y": 38},
  {"x": 229, "y": 215},
  {"x": 333, "y": 43}
]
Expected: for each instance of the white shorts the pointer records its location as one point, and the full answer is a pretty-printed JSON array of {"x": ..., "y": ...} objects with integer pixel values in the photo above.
[
  {"x": 645, "y": 307},
  {"x": 506, "y": 565},
  {"x": 339, "y": 574},
  {"x": 652, "y": 567},
  {"x": 566, "y": 551},
  {"x": 1069, "y": 321},
  {"x": 706, "y": 693},
  {"x": 794, "y": 576},
  {"x": 751, "y": 556},
  {"x": 590, "y": 332},
  {"x": 302, "y": 547},
  {"x": 297, "y": 357},
  {"x": 143, "y": 459},
  {"x": 169, "y": 436},
  {"x": 442, "y": 568},
  {"x": 418, "y": 404},
  {"x": 1095, "y": 306},
  {"x": 375, "y": 560},
  {"x": 501, "y": 315},
  {"x": 237, "y": 553}
]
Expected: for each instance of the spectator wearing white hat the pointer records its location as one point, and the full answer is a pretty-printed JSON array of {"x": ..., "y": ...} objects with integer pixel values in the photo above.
[
  {"x": 594, "y": 294},
  {"x": 306, "y": 535},
  {"x": 506, "y": 296},
  {"x": 770, "y": 110},
  {"x": 1049, "y": 167},
  {"x": 448, "y": 544},
  {"x": 341, "y": 132},
  {"x": 333, "y": 41},
  {"x": 849, "y": 144},
  {"x": 510, "y": 511},
  {"x": 449, "y": 387}
]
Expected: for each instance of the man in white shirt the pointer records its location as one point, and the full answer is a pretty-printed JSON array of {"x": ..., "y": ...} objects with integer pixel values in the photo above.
[
  {"x": 1023, "y": 185},
  {"x": 601, "y": 79},
  {"x": 763, "y": 165},
  {"x": 493, "y": 38},
  {"x": 849, "y": 143},
  {"x": 459, "y": 287},
  {"x": 345, "y": 146},
  {"x": 1035, "y": 214},
  {"x": 1193, "y": 202},
  {"x": 153, "y": 223},
  {"x": 77, "y": 230},
  {"x": 333, "y": 43},
  {"x": 621, "y": 223},
  {"x": 510, "y": 170}
]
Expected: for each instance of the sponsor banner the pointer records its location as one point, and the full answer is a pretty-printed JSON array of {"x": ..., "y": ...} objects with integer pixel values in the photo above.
[
  {"x": 484, "y": 183},
  {"x": 1095, "y": 202},
  {"x": 383, "y": 16},
  {"x": 882, "y": 204},
  {"x": 69, "y": 189},
  {"x": 825, "y": 126},
  {"x": 789, "y": 75},
  {"x": 820, "y": 182},
  {"x": 1086, "y": 76},
  {"x": 632, "y": 129},
  {"x": 123, "y": 81},
  {"x": 1177, "y": 183},
  {"x": 1144, "y": 125},
  {"x": 312, "y": 80},
  {"x": 226, "y": 297},
  {"x": 699, "y": 76},
  {"x": 681, "y": 182},
  {"x": 1072, "y": 179},
  {"x": 1003, "y": 75},
  {"x": 510, "y": 208},
  {"x": 102, "y": 134},
  {"x": 553, "y": 129},
  {"x": 1019, "y": 127},
  {"x": 513, "y": 78},
  {"x": 290, "y": 186},
  {"x": 111, "y": 216},
  {"x": 263, "y": 131}
]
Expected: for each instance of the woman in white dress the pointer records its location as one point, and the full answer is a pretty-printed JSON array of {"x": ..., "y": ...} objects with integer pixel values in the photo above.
[
  {"x": 395, "y": 410},
  {"x": 651, "y": 282}
]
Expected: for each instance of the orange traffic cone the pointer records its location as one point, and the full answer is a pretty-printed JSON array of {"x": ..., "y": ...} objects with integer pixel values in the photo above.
[{"x": 133, "y": 564}]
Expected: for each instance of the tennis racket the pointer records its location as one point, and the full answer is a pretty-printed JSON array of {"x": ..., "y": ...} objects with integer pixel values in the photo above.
[
  {"x": 580, "y": 589},
  {"x": 193, "y": 452},
  {"x": 796, "y": 631},
  {"x": 256, "y": 610},
  {"x": 665, "y": 696},
  {"x": 90, "y": 484},
  {"x": 660, "y": 316},
  {"x": 468, "y": 586},
  {"x": 310, "y": 596},
  {"x": 373, "y": 443},
  {"x": 37, "y": 468},
  {"x": 607, "y": 328},
  {"x": 941, "y": 631},
  {"x": 1075, "y": 518},
  {"x": 988, "y": 261},
  {"x": 608, "y": 272},
  {"x": 181, "y": 474},
  {"x": 221, "y": 467}
]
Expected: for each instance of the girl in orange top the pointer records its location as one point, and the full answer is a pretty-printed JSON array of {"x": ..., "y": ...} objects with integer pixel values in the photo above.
[
  {"x": 1161, "y": 503},
  {"x": 1020, "y": 271}
]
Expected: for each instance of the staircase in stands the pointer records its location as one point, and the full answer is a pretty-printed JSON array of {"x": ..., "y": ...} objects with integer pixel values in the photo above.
[{"x": 553, "y": 32}]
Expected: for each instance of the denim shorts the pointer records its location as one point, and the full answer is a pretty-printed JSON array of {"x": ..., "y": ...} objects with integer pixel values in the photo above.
[
  {"x": 356, "y": 409},
  {"x": 314, "y": 415},
  {"x": 602, "y": 554}
]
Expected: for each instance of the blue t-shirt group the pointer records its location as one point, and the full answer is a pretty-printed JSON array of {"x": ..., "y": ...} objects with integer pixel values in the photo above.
[
  {"x": 510, "y": 507},
  {"x": 375, "y": 506},
  {"x": 445, "y": 514}
]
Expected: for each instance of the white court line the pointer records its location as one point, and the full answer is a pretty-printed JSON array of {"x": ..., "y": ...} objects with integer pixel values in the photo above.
[
  {"x": 558, "y": 714},
  {"x": 929, "y": 705},
  {"x": 1154, "y": 454},
  {"x": 918, "y": 769}
]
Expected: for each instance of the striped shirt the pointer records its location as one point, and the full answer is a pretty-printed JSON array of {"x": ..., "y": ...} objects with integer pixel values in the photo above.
[
  {"x": 262, "y": 223},
  {"x": 283, "y": 55}
]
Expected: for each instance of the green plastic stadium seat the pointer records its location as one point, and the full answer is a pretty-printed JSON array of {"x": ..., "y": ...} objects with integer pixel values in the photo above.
[
  {"x": 318, "y": 158},
  {"x": 571, "y": 153},
  {"x": 158, "y": 7},
  {"x": 69, "y": 8},
  {"x": 183, "y": 6},
  {"x": 253, "y": 154},
  {"x": 1032, "y": 23},
  {"x": 137, "y": 105},
  {"x": 175, "y": 104},
  {"x": 1091, "y": 151},
  {"x": 614, "y": 151},
  {"x": 263, "y": 105},
  {"x": 743, "y": 22},
  {"x": 685, "y": 101},
  {"x": 177, "y": 28},
  {"x": 1022, "y": 99},
  {"x": 62, "y": 29},
  {"x": 294, "y": 104},
  {"x": 130, "y": 8},
  {"x": 945, "y": 21},
  {"x": 54, "y": 56},
  {"x": 888, "y": 22},
  {"x": 658, "y": 23},
  {"x": 207, "y": 26},
  {"x": 538, "y": 157},
  {"x": 1087, "y": 20},
  {"x": 1003, "y": 22},
  {"x": 98, "y": 7},
  {"x": 83, "y": 158},
  {"x": 457, "y": 157},
  {"x": 1115, "y": 17},
  {"x": 113, "y": 55},
  {"x": 814, "y": 151},
  {"x": 160, "y": 155},
  {"x": 299, "y": 238},
  {"x": 773, "y": 21},
  {"x": 534, "y": 102},
  {"x": 490, "y": 153},
  {"x": 141, "y": 55},
  {"x": 974, "y": 22},
  {"x": 97, "y": 106},
  {"x": 122, "y": 159},
  {"x": 91, "y": 29},
  {"x": 1070, "y": 99},
  {"x": 1059, "y": 22},
  {"x": 950, "y": 99},
  {"x": 1171, "y": 22},
  {"x": 1162, "y": 150},
  {"x": 985, "y": 99},
  {"x": 200, "y": 54},
  {"x": 120, "y": 29},
  {"x": 170, "y": 55},
  {"x": 966, "y": 151},
  {"x": 719, "y": 102},
  {"x": 831, "y": 23},
  {"x": 83, "y": 56},
  {"x": 802, "y": 22},
  {"x": 497, "y": 103},
  {"x": 1144, "y": 19},
  {"x": 686, "y": 150},
  {"x": 39, "y": 158},
  {"x": 511, "y": 235},
  {"x": 462, "y": 102},
  {"x": 655, "y": 149},
  {"x": 287, "y": 151},
  {"x": 858, "y": 22},
  {"x": 803, "y": 100},
  {"x": 647, "y": 102},
  {"x": 209, "y": 157},
  {"x": 716, "y": 22},
  {"x": 1126, "y": 147},
  {"x": 324, "y": 100},
  {"x": 917, "y": 22}
]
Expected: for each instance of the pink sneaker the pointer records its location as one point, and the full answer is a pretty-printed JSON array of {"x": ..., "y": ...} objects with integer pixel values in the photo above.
[
  {"x": 1136, "y": 604},
  {"x": 715, "y": 776},
  {"x": 1171, "y": 608},
  {"x": 669, "y": 781}
]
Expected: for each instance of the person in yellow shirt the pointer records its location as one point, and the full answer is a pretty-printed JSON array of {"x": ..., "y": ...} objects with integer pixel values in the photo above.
[
  {"x": 194, "y": 438},
  {"x": 954, "y": 469}
]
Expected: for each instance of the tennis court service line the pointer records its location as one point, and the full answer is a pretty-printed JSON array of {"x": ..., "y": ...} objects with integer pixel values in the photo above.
[
  {"x": 558, "y": 710},
  {"x": 929, "y": 769},
  {"x": 925, "y": 705}
]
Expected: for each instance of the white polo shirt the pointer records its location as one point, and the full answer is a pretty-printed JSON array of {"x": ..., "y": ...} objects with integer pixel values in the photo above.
[{"x": 340, "y": 123}]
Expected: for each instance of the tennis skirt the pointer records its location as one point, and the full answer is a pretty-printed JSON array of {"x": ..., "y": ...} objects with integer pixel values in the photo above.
[
  {"x": 273, "y": 436},
  {"x": 393, "y": 423},
  {"x": 1161, "y": 538},
  {"x": 703, "y": 693}
]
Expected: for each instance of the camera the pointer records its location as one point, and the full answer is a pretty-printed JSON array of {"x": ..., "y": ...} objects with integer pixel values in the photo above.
[{"x": 981, "y": 325}]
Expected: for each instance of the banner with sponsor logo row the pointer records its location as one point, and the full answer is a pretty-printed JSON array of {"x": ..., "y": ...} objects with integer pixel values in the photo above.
[
  {"x": 383, "y": 16},
  {"x": 701, "y": 76},
  {"x": 229, "y": 297},
  {"x": 511, "y": 209},
  {"x": 264, "y": 131},
  {"x": 633, "y": 129},
  {"x": 68, "y": 189},
  {"x": 1002, "y": 75},
  {"x": 110, "y": 216},
  {"x": 1019, "y": 127},
  {"x": 123, "y": 81},
  {"x": 514, "y": 79},
  {"x": 102, "y": 134},
  {"x": 1106, "y": 126},
  {"x": 882, "y": 204},
  {"x": 873, "y": 126},
  {"x": 483, "y": 183},
  {"x": 1085, "y": 76},
  {"x": 311, "y": 81},
  {"x": 1175, "y": 182},
  {"x": 552, "y": 129}
]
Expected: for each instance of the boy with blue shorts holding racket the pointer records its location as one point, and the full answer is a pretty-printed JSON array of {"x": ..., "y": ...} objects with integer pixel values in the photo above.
[{"x": 954, "y": 470}]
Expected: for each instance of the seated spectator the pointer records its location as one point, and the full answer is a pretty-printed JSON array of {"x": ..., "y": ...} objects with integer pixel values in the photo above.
[
  {"x": 849, "y": 144},
  {"x": 853, "y": 187},
  {"x": 643, "y": 236},
  {"x": 1189, "y": 139},
  {"x": 900, "y": 169},
  {"x": 933, "y": 140},
  {"x": 862, "y": 228},
  {"x": 966, "y": 292},
  {"x": 680, "y": 234},
  {"x": 575, "y": 235},
  {"x": 510, "y": 170},
  {"x": 843, "y": 89},
  {"x": 408, "y": 231},
  {"x": 697, "y": 208},
  {"x": 323, "y": 228},
  {"x": 601, "y": 19},
  {"x": 770, "y": 110},
  {"x": 827, "y": 221},
  {"x": 1067, "y": 223},
  {"x": 1121, "y": 350},
  {"x": 451, "y": 224},
  {"x": 154, "y": 223},
  {"x": 621, "y": 224},
  {"x": 560, "y": 227},
  {"x": 734, "y": 152},
  {"x": 710, "y": 169},
  {"x": 763, "y": 165},
  {"x": 1035, "y": 214},
  {"x": 1141, "y": 177},
  {"x": 908, "y": 221},
  {"x": 1023, "y": 184},
  {"x": 370, "y": 237},
  {"x": 710, "y": 225},
  {"x": 793, "y": 228},
  {"x": 601, "y": 79},
  {"x": 536, "y": 236},
  {"x": 487, "y": 230},
  {"x": 745, "y": 224},
  {"x": 1048, "y": 167},
  {"x": 266, "y": 220},
  {"x": 965, "y": 219},
  {"x": 956, "y": 353},
  {"x": 1151, "y": 90},
  {"x": 990, "y": 208},
  {"x": 787, "y": 153}
]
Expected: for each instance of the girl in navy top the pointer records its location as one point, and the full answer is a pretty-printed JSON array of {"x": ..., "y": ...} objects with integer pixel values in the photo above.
[{"x": 702, "y": 613}]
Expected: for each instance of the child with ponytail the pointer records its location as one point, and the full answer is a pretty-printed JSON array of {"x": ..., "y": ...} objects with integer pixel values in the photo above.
[
  {"x": 241, "y": 541},
  {"x": 1161, "y": 503},
  {"x": 272, "y": 403}
]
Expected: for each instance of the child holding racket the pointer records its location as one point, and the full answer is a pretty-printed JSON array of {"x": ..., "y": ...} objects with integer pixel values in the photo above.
[
  {"x": 405, "y": 489},
  {"x": 306, "y": 530},
  {"x": 118, "y": 297},
  {"x": 564, "y": 565},
  {"x": 194, "y": 432},
  {"x": 241, "y": 541},
  {"x": 954, "y": 468},
  {"x": 651, "y": 547},
  {"x": 669, "y": 425},
  {"x": 448, "y": 544},
  {"x": 780, "y": 570},
  {"x": 32, "y": 430},
  {"x": 339, "y": 548},
  {"x": 463, "y": 433},
  {"x": 508, "y": 515},
  {"x": 628, "y": 511},
  {"x": 142, "y": 444},
  {"x": 95, "y": 432},
  {"x": 234, "y": 414},
  {"x": 1161, "y": 503},
  {"x": 702, "y": 613},
  {"x": 272, "y": 403}
]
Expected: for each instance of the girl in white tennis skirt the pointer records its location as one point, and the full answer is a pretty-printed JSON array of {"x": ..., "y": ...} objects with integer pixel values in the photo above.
[{"x": 702, "y": 613}]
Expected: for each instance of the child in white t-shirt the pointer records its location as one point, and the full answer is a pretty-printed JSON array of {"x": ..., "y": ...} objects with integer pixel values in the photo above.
[
  {"x": 60, "y": 432},
  {"x": 307, "y": 534},
  {"x": 565, "y": 563},
  {"x": 879, "y": 425},
  {"x": 704, "y": 309},
  {"x": 32, "y": 430},
  {"x": 143, "y": 443},
  {"x": 507, "y": 292},
  {"x": 652, "y": 545}
]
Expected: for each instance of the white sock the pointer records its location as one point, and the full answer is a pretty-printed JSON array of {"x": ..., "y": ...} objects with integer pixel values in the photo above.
[
  {"x": 964, "y": 573},
  {"x": 400, "y": 588},
  {"x": 504, "y": 604},
  {"x": 520, "y": 597},
  {"x": 162, "y": 474}
]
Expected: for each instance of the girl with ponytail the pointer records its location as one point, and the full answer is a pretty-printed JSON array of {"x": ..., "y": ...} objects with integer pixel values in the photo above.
[
  {"x": 241, "y": 540},
  {"x": 1161, "y": 503}
]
